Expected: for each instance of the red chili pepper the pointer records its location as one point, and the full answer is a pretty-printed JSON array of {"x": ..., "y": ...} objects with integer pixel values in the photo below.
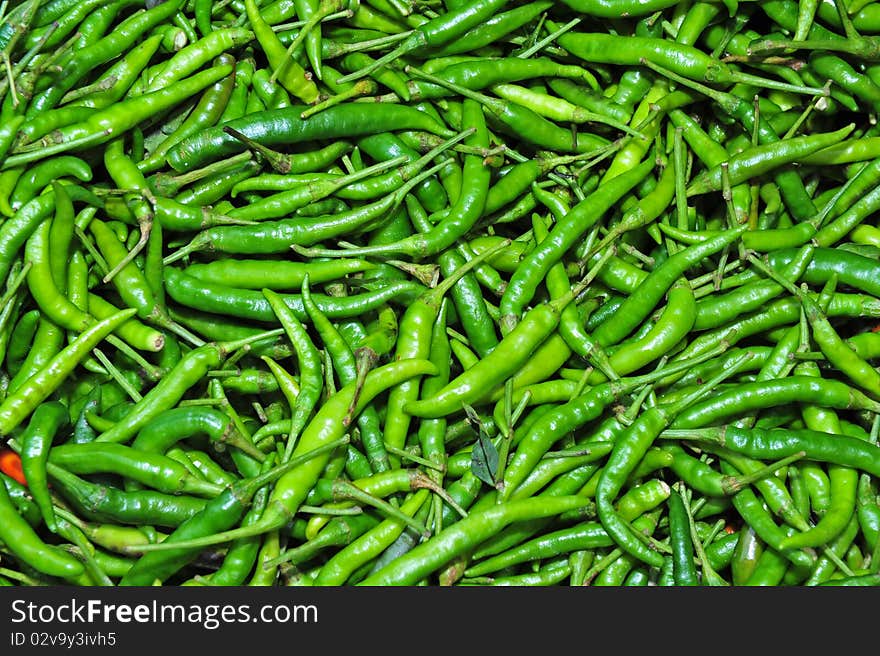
[{"x": 10, "y": 464}]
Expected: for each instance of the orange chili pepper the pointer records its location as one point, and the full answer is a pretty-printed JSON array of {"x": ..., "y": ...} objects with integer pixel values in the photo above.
[{"x": 10, "y": 464}]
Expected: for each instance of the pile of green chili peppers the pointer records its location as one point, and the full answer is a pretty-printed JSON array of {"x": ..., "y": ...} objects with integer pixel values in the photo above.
[{"x": 439, "y": 292}]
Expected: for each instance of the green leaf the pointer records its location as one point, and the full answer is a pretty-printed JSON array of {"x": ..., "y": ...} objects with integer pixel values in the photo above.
[
  {"x": 484, "y": 459},
  {"x": 484, "y": 455}
]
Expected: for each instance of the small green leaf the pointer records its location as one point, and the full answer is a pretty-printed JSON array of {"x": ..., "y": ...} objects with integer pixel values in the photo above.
[
  {"x": 484, "y": 459},
  {"x": 484, "y": 455},
  {"x": 472, "y": 417}
]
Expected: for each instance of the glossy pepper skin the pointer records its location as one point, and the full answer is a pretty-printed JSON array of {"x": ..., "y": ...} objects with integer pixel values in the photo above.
[{"x": 470, "y": 292}]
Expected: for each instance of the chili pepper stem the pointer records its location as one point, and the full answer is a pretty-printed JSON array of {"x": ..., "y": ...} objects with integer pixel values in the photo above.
[
  {"x": 145, "y": 226},
  {"x": 183, "y": 179},
  {"x": 550, "y": 38},
  {"x": 358, "y": 89},
  {"x": 378, "y": 43},
  {"x": 709, "y": 575},
  {"x": 226, "y": 348},
  {"x": 512, "y": 415},
  {"x": 325, "y": 8},
  {"x": 422, "y": 481},
  {"x": 412, "y": 457},
  {"x": 862, "y": 47},
  {"x": 27, "y": 58},
  {"x": 162, "y": 320},
  {"x": 346, "y": 490},
  {"x": 427, "y": 274},
  {"x": 414, "y": 41},
  {"x": 276, "y": 160},
  {"x": 330, "y": 512},
  {"x": 15, "y": 284},
  {"x": 283, "y": 27},
  {"x": 22, "y": 578},
  {"x": 734, "y": 484}
]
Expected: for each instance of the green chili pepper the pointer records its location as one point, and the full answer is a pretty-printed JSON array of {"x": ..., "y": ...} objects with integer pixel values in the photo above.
[{"x": 36, "y": 444}]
